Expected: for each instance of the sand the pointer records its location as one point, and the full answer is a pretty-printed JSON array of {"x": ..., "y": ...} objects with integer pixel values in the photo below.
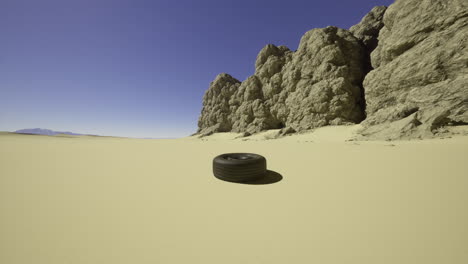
[{"x": 80, "y": 199}]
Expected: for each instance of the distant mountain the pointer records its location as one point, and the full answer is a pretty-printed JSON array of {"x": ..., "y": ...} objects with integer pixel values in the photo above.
[{"x": 40, "y": 131}]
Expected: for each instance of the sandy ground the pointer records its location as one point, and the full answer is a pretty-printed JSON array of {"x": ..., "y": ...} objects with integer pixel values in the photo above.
[{"x": 67, "y": 200}]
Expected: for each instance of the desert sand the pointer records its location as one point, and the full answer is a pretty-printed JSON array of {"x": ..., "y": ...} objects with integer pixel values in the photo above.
[{"x": 86, "y": 200}]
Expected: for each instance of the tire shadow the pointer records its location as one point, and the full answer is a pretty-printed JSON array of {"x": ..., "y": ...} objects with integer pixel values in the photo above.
[{"x": 269, "y": 178}]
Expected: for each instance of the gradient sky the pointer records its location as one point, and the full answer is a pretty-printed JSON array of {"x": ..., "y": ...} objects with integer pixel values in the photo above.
[{"x": 139, "y": 68}]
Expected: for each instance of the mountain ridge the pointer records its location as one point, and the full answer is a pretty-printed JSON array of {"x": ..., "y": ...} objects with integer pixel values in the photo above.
[{"x": 43, "y": 131}]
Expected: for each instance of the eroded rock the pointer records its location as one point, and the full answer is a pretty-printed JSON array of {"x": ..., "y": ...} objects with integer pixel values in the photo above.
[
  {"x": 368, "y": 29},
  {"x": 216, "y": 111},
  {"x": 413, "y": 56},
  {"x": 421, "y": 67},
  {"x": 317, "y": 85}
]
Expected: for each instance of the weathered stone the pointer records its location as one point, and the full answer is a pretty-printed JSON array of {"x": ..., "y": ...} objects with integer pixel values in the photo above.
[
  {"x": 368, "y": 29},
  {"x": 422, "y": 70},
  {"x": 419, "y": 85},
  {"x": 216, "y": 110},
  {"x": 317, "y": 85},
  {"x": 321, "y": 83}
]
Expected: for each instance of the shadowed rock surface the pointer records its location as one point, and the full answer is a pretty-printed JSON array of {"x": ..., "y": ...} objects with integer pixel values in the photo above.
[
  {"x": 216, "y": 111},
  {"x": 420, "y": 80},
  {"x": 368, "y": 29}
]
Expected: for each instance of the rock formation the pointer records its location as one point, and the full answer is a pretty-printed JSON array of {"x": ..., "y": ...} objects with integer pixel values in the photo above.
[
  {"x": 318, "y": 85},
  {"x": 216, "y": 112},
  {"x": 402, "y": 69},
  {"x": 368, "y": 29},
  {"x": 420, "y": 80},
  {"x": 47, "y": 132}
]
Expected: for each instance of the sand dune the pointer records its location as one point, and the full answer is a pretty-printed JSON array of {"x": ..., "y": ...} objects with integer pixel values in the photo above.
[{"x": 117, "y": 200}]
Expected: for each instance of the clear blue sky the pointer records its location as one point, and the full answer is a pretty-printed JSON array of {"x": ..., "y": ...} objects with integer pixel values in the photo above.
[{"x": 139, "y": 68}]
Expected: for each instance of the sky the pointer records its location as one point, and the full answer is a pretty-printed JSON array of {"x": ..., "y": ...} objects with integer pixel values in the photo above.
[{"x": 139, "y": 68}]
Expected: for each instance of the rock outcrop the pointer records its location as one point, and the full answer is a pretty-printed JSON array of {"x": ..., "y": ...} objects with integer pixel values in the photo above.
[
  {"x": 402, "y": 69},
  {"x": 318, "y": 85},
  {"x": 216, "y": 112},
  {"x": 420, "y": 80},
  {"x": 368, "y": 29}
]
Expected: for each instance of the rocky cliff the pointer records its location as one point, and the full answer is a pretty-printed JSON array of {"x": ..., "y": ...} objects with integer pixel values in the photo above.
[
  {"x": 401, "y": 70},
  {"x": 318, "y": 85},
  {"x": 420, "y": 81}
]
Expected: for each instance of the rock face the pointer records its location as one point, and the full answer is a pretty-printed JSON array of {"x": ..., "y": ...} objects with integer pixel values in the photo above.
[
  {"x": 404, "y": 69},
  {"x": 215, "y": 116},
  {"x": 318, "y": 85},
  {"x": 368, "y": 29},
  {"x": 420, "y": 80}
]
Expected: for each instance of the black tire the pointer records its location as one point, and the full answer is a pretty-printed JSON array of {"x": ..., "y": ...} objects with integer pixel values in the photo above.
[{"x": 239, "y": 167}]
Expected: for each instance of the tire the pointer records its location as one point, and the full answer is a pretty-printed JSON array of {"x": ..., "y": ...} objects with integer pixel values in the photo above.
[{"x": 239, "y": 167}]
